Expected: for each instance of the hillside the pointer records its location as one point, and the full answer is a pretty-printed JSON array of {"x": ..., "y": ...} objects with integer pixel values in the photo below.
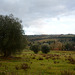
[{"x": 46, "y": 37}]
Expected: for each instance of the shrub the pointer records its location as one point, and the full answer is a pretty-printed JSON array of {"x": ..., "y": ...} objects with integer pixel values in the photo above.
[
  {"x": 67, "y": 73},
  {"x": 35, "y": 48},
  {"x": 3, "y": 73},
  {"x": 17, "y": 67},
  {"x": 40, "y": 58},
  {"x": 71, "y": 60},
  {"x": 25, "y": 66},
  {"x": 45, "y": 48}
]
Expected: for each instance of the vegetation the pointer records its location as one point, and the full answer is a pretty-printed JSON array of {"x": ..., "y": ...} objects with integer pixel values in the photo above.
[
  {"x": 35, "y": 48},
  {"x": 56, "y": 42},
  {"x": 29, "y": 63},
  {"x": 12, "y": 37},
  {"x": 45, "y": 48},
  {"x": 55, "y": 54}
]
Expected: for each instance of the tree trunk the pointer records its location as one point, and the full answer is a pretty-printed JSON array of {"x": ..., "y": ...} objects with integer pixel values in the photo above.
[{"x": 7, "y": 54}]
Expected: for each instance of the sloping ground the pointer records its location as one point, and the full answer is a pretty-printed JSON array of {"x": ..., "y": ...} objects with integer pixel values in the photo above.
[{"x": 28, "y": 63}]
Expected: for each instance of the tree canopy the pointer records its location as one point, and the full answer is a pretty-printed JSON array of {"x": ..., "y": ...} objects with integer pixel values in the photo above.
[
  {"x": 35, "y": 48},
  {"x": 45, "y": 48},
  {"x": 12, "y": 37}
]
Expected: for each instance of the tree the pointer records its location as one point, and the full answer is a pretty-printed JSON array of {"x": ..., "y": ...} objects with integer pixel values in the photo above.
[
  {"x": 69, "y": 46},
  {"x": 35, "y": 48},
  {"x": 56, "y": 45},
  {"x": 45, "y": 48},
  {"x": 12, "y": 37}
]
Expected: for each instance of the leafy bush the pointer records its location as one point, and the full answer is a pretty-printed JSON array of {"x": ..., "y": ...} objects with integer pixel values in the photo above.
[
  {"x": 45, "y": 48},
  {"x": 35, "y": 48}
]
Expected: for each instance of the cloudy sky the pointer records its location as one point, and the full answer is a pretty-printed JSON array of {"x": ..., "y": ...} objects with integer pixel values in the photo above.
[{"x": 42, "y": 16}]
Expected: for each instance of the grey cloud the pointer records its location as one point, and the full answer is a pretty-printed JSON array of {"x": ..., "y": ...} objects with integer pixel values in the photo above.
[
  {"x": 36, "y": 8},
  {"x": 29, "y": 10},
  {"x": 52, "y": 7}
]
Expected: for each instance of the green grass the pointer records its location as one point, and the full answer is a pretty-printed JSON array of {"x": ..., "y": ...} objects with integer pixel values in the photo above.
[{"x": 53, "y": 63}]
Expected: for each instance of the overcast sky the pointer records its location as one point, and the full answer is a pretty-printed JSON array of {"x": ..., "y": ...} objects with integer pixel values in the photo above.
[{"x": 42, "y": 16}]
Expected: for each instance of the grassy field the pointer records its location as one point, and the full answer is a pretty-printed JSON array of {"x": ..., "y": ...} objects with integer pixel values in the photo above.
[{"x": 28, "y": 63}]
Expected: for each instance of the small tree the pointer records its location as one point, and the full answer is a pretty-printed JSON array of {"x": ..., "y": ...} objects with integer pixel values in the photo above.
[
  {"x": 12, "y": 37},
  {"x": 45, "y": 48},
  {"x": 69, "y": 46},
  {"x": 35, "y": 48},
  {"x": 56, "y": 45}
]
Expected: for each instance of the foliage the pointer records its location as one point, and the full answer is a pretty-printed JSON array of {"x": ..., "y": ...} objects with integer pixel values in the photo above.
[
  {"x": 12, "y": 37},
  {"x": 56, "y": 45},
  {"x": 45, "y": 48},
  {"x": 69, "y": 46},
  {"x": 56, "y": 42},
  {"x": 35, "y": 48}
]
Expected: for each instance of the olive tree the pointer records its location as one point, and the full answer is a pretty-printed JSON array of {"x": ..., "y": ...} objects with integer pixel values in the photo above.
[
  {"x": 45, "y": 48},
  {"x": 35, "y": 48},
  {"x": 12, "y": 38}
]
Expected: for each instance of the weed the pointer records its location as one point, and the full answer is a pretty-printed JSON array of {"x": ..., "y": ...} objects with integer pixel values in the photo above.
[
  {"x": 17, "y": 67},
  {"x": 44, "y": 55},
  {"x": 25, "y": 66},
  {"x": 65, "y": 72},
  {"x": 33, "y": 57},
  {"x": 47, "y": 57},
  {"x": 71, "y": 60},
  {"x": 0, "y": 64},
  {"x": 42, "y": 64},
  {"x": 3, "y": 73},
  {"x": 40, "y": 58}
]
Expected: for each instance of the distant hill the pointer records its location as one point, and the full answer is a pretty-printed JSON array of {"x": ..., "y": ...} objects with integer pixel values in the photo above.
[{"x": 45, "y": 37}]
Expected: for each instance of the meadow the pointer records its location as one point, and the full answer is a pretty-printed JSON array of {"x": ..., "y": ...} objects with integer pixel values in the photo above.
[{"x": 28, "y": 63}]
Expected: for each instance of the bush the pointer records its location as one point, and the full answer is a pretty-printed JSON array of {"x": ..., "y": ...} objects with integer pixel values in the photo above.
[
  {"x": 35, "y": 48},
  {"x": 67, "y": 72},
  {"x": 45, "y": 48},
  {"x": 69, "y": 46},
  {"x": 25, "y": 66}
]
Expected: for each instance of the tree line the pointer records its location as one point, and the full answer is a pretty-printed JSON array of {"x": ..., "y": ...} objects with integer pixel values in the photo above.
[{"x": 63, "y": 44}]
